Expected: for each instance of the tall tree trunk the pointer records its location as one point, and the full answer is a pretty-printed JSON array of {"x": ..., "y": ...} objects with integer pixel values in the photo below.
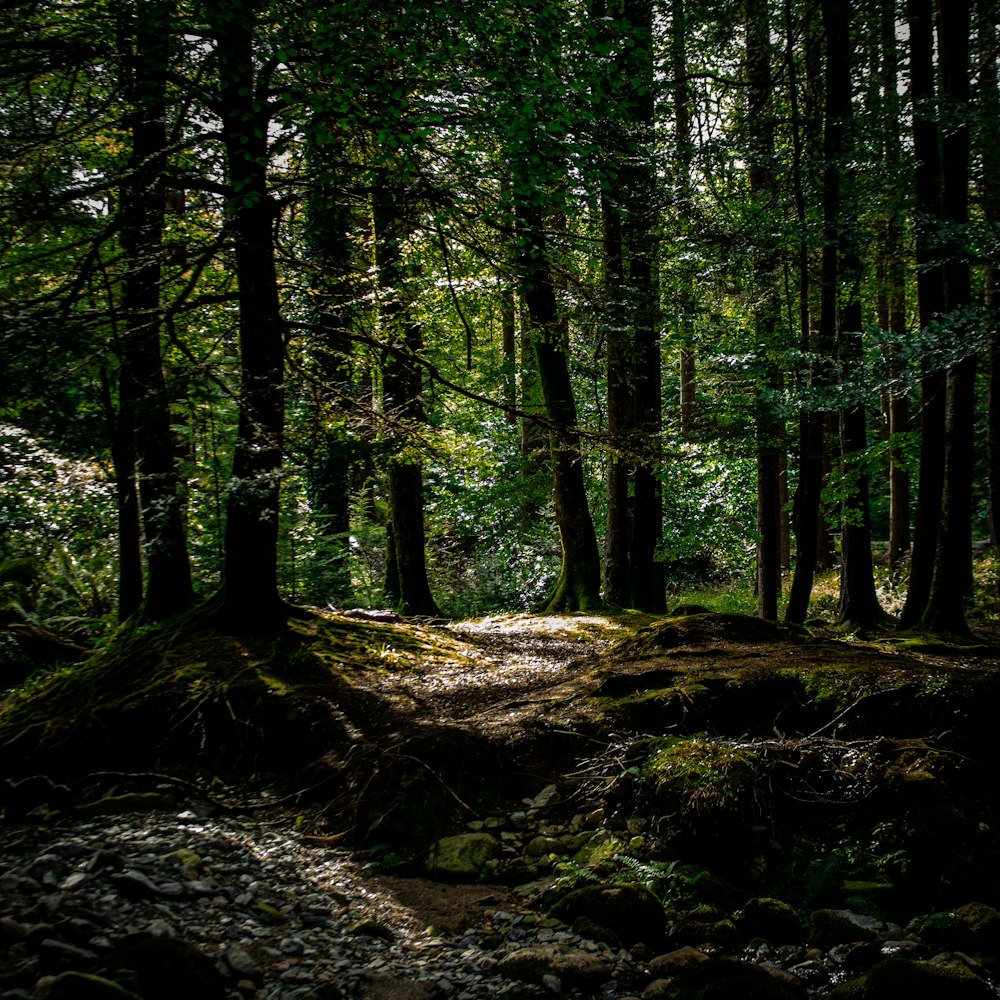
[
  {"x": 930, "y": 298},
  {"x": 841, "y": 280},
  {"x": 806, "y": 522},
  {"x": 765, "y": 294},
  {"x": 129, "y": 534},
  {"x": 328, "y": 459},
  {"x": 988, "y": 144},
  {"x": 952, "y": 580},
  {"x": 250, "y": 599},
  {"x": 402, "y": 389},
  {"x": 633, "y": 576},
  {"x": 892, "y": 287},
  {"x": 579, "y": 583},
  {"x": 143, "y": 387},
  {"x": 683, "y": 152}
]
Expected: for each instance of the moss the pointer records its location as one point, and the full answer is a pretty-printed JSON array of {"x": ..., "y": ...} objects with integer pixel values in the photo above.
[
  {"x": 726, "y": 979},
  {"x": 832, "y": 927},
  {"x": 166, "y": 968},
  {"x": 85, "y": 986},
  {"x": 903, "y": 977},
  {"x": 771, "y": 919},
  {"x": 630, "y": 912}
]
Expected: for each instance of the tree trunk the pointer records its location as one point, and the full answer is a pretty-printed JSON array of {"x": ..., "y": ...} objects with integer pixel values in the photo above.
[
  {"x": 402, "y": 390},
  {"x": 632, "y": 574},
  {"x": 952, "y": 580},
  {"x": 579, "y": 583},
  {"x": 988, "y": 143},
  {"x": 129, "y": 534},
  {"x": 760, "y": 124},
  {"x": 930, "y": 297},
  {"x": 250, "y": 599},
  {"x": 841, "y": 280},
  {"x": 806, "y": 522},
  {"x": 892, "y": 288},
  {"x": 143, "y": 387},
  {"x": 328, "y": 458}
]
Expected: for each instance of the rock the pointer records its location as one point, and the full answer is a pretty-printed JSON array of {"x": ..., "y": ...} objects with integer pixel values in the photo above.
[
  {"x": 241, "y": 963},
  {"x": 897, "y": 978},
  {"x": 727, "y": 979},
  {"x": 136, "y": 885},
  {"x": 84, "y": 986},
  {"x": 370, "y": 928},
  {"x": 974, "y": 927},
  {"x": 168, "y": 968},
  {"x": 676, "y": 961},
  {"x": 831, "y": 927},
  {"x": 62, "y": 953},
  {"x": 574, "y": 968},
  {"x": 462, "y": 857},
  {"x": 631, "y": 912},
  {"x": 771, "y": 919},
  {"x": 11, "y": 931},
  {"x": 656, "y": 989},
  {"x": 546, "y": 797}
]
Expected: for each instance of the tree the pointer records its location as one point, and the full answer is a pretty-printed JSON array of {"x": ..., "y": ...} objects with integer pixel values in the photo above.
[
  {"x": 952, "y": 580},
  {"x": 406, "y": 581},
  {"x": 145, "y": 435},
  {"x": 250, "y": 599},
  {"x": 633, "y": 573},
  {"x": 930, "y": 298}
]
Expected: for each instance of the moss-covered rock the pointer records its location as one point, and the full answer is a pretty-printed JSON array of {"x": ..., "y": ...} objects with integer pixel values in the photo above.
[
  {"x": 167, "y": 968},
  {"x": 461, "y": 857},
  {"x": 726, "y": 979},
  {"x": 903, "y": 979},
  {"x": 631, "y": 912},
  {"x": 573, "y": 968},
  {"x": 974, "y": 927},
  {"x": 832, "y": 927},
  {"x": 771, "y": 919},
  {"x": 86, "y": 986}
]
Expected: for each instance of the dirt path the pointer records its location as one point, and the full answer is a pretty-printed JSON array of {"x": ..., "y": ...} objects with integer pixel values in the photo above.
[{"x": 510, "y": 670}]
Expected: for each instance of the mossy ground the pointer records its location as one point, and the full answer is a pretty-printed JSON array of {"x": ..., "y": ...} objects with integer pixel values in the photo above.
[{"x": 796, "y": 765}]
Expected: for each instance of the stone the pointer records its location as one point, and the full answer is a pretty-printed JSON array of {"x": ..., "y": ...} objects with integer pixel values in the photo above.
[
  {"x": 675, "y": 961},
  {"x": 573, "y": 967},
  {"x": 136, "y": 885},
  {"x": 727, "y": 979},
  {"x": 168, "y": 968},
  {"x": 85, "y": 986},
  {"x": 631, "y": 912},
  {"x": 771, "y": 919},
  {"x": 903, "y": 977},
  {"x": 461, "y": 857},
  {"x": 831, "y": 927}
]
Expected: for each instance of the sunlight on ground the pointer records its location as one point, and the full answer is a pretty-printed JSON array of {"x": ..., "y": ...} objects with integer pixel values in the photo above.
[{"x": 545, "y": 624}]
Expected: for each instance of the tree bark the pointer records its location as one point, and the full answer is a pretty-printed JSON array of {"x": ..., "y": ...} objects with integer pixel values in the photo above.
[
  {"x": 952, "y": 579},
  {"x": 250, "y": 599},
  {"x": 807, "y": 524},
  {"x": 988, "y": 143},
  {"x": 579, "y": 582},
  {"x": 144, "y": 400},
  {"x": 930, "y": 298},
  {"x": 402, "y": 390}
]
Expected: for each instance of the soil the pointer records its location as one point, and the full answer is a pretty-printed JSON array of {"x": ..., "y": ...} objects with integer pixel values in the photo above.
[{"x": 421, "y": 729}]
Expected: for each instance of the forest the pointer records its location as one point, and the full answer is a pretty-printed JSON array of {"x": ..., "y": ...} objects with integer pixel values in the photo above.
[
  {"x": 454, "y": 309},
  {"x": 501, "y": 499}
]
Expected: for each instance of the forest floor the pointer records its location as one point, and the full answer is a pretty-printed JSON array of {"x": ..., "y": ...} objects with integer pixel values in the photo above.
[{"x": 701, "y": 751}]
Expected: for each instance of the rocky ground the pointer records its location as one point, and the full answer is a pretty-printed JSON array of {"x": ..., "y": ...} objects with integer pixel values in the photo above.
[{"x": 152, "y": 885}]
